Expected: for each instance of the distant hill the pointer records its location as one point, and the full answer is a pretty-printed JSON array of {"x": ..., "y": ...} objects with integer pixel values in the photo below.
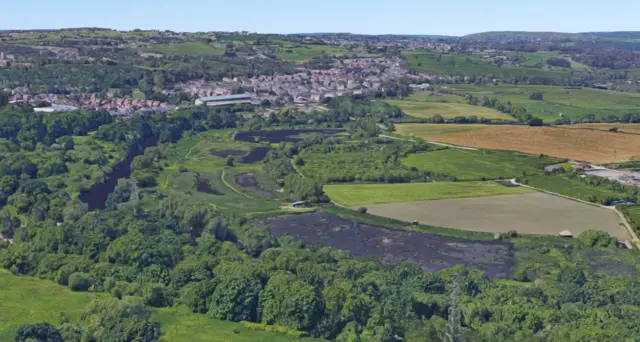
[
  {"x": 522, "y": 36},
  {"x": 426, "y": 36}
]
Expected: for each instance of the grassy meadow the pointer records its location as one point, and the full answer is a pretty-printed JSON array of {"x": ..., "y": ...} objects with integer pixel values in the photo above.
[
  {"x": 426, "y": 107},
  {"x": 450, "y": 64},
  {"x": 28, "y": 300},
  {"x": 632, "y": 213},
  {"x": 477, "y": 165},
  {"x": 304, "y": 53},
  {"x": 363, "y": 194},
  {"x": 585, "y": 145},
  {"x": 185, "y": 49},
  {"x": 575, "y": 187},
  {"x": 192, "y": 171},
  {"x": 557, "y": 102}
]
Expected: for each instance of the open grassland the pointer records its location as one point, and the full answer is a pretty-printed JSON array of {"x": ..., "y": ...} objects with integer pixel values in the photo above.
[
  {"x": 304, "y": 53},
  {"x": 449, "y": 64},
  {"x": 364, "y": 194},
  {"x": 419, "y": 109},
  {"x": 587, "y": 145},
  {"x": 578, "y": 187},
  {"x": 536, "y": 213},
  {"x": 625, "y": 128},
  {"x": 180, "y": 324},
  {"x": 632, "y": 212},
  {"x": 477, "y": 165},
  {"x": 185, "y": 49},
  {"x": 27, "y": 300},
  {"x": 558, "y": 102}
]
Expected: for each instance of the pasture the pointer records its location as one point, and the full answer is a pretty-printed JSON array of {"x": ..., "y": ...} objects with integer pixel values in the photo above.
[
  {"x": 478, "y": 165},
  {"x": 420, "y": 109},
  {"x": 351, "y": 195},
  {"x": 304, "y": 53},
  {"x": 27, "y": 300},
  {"x": 585, "y": 145},
  {"x": 185, "y": 49},
  {"x": 558, "y": 102},
  {"x": 587, "y": 189},
  {"x": 533, "y": 213}
]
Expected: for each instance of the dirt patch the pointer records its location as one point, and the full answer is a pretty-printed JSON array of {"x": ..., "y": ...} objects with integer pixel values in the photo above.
[
  {"x": 226, "y": 153},
  {"x": 256, "y": 155},
  {"x": 432, "y": 252},
  {"x": 536, "y": 213},
  {"x": 249, "y": 182}
]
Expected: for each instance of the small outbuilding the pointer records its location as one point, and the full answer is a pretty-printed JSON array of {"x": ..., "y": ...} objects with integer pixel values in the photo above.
[
  {"x": 553, "y": 168},
  {"x": 299, "y": 204},
  {"x": 566, "y": 234}
]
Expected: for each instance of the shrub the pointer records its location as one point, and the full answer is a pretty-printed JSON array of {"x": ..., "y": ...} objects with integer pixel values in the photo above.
[
  {"x": 274, "y": 328},
  {"x": 536, "y": 96},
  {"x": 362, "y": 210},
  {"x": 80, "y": 281}
]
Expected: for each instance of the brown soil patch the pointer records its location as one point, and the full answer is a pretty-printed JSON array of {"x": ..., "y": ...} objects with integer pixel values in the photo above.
[
  {"x": 578, "y": 144},
  {"x": 629, "y": 128}
]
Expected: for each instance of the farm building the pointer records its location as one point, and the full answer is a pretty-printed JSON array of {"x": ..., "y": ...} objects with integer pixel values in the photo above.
[
  {"x": 553, "y": 168},
  {"x": 223, "y": 100},
  {"x": 582, "y": 166},
  {"x": 566, "y": 234}
]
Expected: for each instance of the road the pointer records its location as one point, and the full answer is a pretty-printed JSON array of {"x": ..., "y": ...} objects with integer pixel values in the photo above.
[{"x": 432, "y": 142}]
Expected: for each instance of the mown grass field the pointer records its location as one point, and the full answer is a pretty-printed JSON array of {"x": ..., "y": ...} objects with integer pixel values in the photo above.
[
  {"x": 419, "y": 109},
  {"x": 185, "y": 49},
  {"x": 633, "y": 215},
  {"x": 558, "y": 102},
  {"x": 585, "y": 145},
  {"x": 28, "y": 300},
  {"x": 364, "y": 194},
  {"x": 532, "y": 213},
  {"x": 304, "y": 53},
  {"x": 477, "y": 165}
]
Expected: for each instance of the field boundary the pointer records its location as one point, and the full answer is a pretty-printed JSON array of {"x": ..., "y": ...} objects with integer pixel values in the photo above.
[
  {"x": 432, "y": 142},
  {"x": 630, "y": 230}
]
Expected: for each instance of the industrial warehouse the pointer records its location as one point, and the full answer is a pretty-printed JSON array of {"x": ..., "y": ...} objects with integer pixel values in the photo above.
[{"x": 223, "y": 100}]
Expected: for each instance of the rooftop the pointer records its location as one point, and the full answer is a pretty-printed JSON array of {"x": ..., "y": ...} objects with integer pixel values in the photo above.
[{"x": 224, "y": 98}]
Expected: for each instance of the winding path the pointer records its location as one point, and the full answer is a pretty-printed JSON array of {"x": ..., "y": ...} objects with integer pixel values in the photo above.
[{"x": 431, "y": 142}]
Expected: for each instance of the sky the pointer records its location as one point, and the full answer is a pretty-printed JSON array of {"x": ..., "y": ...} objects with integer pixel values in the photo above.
[{"x": 444, "y": 17}]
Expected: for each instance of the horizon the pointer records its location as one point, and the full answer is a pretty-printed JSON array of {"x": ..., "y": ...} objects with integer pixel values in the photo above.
[{"x": 375, "y": 17}]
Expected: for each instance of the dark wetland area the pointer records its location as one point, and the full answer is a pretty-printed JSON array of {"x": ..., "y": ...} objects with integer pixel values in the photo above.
[
  {"x": 282, "y": 135},
  {"x": 249, "y": 183},
  {"x": 256, "y": 155},
  {"x": 226, "y": 153},
  {"x": 432, "y": 252}
]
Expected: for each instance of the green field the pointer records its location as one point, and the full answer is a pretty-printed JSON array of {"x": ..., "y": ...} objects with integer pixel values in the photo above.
[
  {"x": 199, "y": 166},
  {"x": 477, "y": 165},
  {"x": 303, "y": 53},
  {"x": 632, "y": 213},
  {"x": 28, "y": 300},
  {"x": 363, "y": 194},
  {"x": 424, "y": 109},
  {"x": 185, "y": 49},
  {"x": 558, "y": 102},
  {"x": 577, "y": 187},
  {"x": 450, "y": 64}
]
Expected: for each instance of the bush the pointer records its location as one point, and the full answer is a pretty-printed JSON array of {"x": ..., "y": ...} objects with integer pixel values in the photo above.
[
  {"x": 229, "y": 161},
  {"x": 536, "y": 96},
  {"x": 536, "y": 122},
  {"x": 362, "y": 210},
  {"x": 275, "y": 328},
  {"x": 80, "y": 281}
]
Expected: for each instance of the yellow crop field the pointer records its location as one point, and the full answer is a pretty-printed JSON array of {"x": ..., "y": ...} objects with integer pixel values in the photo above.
[
  {"x": 578, "y": 144},
  {"x": 447, "y": 110}
]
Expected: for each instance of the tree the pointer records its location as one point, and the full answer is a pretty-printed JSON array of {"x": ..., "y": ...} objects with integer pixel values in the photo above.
[
  {"x": 229, "y": 161},
  {"x": 80, "y": 281},
  {"x": 536, "y": 96},
  {"x": 42, "y": 332},
  {"x": 536, "y": 122},
  {"x": 454, "y": 329}
]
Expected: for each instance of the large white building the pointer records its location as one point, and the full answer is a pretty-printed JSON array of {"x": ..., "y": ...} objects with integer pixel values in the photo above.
[{"x": 223, "y": 100}]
